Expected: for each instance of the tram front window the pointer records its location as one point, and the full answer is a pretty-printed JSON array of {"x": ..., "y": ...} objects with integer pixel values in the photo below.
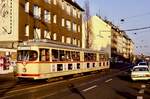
[{"x": 27, "y": 55}]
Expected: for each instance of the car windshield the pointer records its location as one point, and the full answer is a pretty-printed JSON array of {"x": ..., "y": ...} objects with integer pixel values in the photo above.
[
  {"x": 142, "y": 64},
  {"x": 140, "y": 69}
]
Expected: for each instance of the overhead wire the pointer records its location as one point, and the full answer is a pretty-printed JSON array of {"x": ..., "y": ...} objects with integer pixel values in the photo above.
[
  {"x": 139, "y": 15},
  {"x": 136, "y": 29}
]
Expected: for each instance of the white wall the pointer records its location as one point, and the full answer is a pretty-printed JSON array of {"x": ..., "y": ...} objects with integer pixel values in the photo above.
[
  {"x": 7, "y": 22},
  {"x": 101, "y": 35},
  {"x": 83, "y": 34}
]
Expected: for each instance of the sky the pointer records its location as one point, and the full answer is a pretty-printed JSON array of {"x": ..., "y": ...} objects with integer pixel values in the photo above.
[{"x": 136, "y": 14}]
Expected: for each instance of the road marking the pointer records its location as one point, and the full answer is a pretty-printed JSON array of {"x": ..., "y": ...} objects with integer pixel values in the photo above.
[
  {"x": 141, "y": 91},
  {"x": 139, "y": 97},
  {"x": 143, "y": 86},
  {"x": 40, "y": 86},
  {"x": 93, "y": 81},
  {"x": 43, "y": 97},
  {"x": 34, "y": 87},
  {"x": 83, "y": 84},
  {"x": 108, "y": 80},
  {"x": 92, "y": 87}
]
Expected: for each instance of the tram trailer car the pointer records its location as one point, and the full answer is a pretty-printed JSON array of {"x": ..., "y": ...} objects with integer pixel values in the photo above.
[{"x": 39, "y": 60}]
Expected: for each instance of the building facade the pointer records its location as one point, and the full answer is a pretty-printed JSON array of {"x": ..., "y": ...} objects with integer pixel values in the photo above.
[
  {"x": 54, "y": 20},
  {"x": 122, "y": 47},
  {"x": 100, "y": 35}
]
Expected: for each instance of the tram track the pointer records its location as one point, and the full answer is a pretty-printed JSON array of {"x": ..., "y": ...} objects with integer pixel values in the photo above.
[
  {"x": 23, "y": 85},
  {"x": 19, "y": 85}
]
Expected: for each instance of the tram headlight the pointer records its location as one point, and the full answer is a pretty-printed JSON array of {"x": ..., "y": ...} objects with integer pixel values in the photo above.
[
  {"x": 24, "y": 70},
  {"x": 24, "y": 63}
]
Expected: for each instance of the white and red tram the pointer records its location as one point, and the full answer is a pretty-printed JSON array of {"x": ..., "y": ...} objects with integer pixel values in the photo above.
[{"x": 39, "y": 60}]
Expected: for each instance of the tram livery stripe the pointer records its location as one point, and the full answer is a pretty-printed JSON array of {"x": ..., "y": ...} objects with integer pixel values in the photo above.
[
  {"x": 62, "y": 62},
  {"x": 27, "y": 74}
]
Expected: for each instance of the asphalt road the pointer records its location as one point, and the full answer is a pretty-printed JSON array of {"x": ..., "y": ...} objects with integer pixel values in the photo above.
[{"x": 113, "y": 84}]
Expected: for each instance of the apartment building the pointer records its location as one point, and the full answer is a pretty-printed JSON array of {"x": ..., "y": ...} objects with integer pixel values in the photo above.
[
  {"x": 128, "y": 47},
  {"x": 53, "y": 20},
  {"x": 122, "y": 47}
]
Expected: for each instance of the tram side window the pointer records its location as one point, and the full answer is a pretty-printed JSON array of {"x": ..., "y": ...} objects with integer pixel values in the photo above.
[
  {"x": 85, "y": 57},
  {"x": 88, "y": 65},
  {"x": 107, "y": 63},
  {"x": 94, "y": 57},
  {"x": 33, "y": 56},
  {"x": 70, "y": 67},
  {"x": 44, "y": 54},
  {"x": 62, "y": 55},
  {"x": 100, "y": 64},
  {"x": 78, "y": 56},
  {"x": 55, "y": 55},
  {"x": 89, "y": 56},
  {"x": 19, "y": 55},
  {"x": 59, "y": 67},
  {"x": 101, "y": 57},
  {"x": 93, "y": 64},
  {"x": 68, "y": 56},
  {"x": 78, "y": 65},
  {"x": 75, "y": 56}
]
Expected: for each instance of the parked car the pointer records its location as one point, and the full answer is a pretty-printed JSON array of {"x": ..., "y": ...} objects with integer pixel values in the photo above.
[{"x": 140, "y": 73}]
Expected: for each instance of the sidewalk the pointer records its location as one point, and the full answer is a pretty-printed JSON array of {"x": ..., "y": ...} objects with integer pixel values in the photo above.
[
  {"x": 6, "y": 71},
  {"x": 7, "y": 77}
]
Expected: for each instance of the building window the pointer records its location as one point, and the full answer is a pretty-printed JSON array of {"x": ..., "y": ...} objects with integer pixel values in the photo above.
[
  {"x": 59, "y": 2},
  {"x": 74, "y": 41},
  {"x": 74, "y": 27},
  {"x": 27, "y": 7},
  {"x": 26, "y": 30},
  {"x": 36, "y": 11},
  {"x": 63, "y": 5},
  {"x": 63, "y": 22},
  {"x": 54, "y": 36},
  {"x": 68, "y": 25},
  {"x": 79, "y": 14},
  {"x": 74, "y": 12},
  {"x": 68, "y": 40},
  {"x": 48, "y": 1},
  {"x": 47, "y": 16},
  {"x": 63, "y": 39},
  {"x": 68, "y": 9},
  {"x": 47, "y": 34},
  {"x": 54, "y": 2},
  {"x": 79, "y": 28},
  {"x": 54, "y": 19},
  {"x": 78, "y": 42},
  {"x": 37, "y": 33}
]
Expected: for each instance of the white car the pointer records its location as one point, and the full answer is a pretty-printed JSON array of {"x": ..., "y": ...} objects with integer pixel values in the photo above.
[
  {"x": 140, "y": 73},
  {"x": 142, "y": 63}
]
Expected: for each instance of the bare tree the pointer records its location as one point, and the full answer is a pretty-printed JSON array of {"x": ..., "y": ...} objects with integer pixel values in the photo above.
[{"x": 87, "y": 24}]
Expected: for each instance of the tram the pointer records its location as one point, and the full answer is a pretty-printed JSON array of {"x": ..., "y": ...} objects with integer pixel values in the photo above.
[{"x": 42, "y": 60}]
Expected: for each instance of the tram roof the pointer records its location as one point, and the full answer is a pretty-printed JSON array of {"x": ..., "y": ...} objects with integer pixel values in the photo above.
[{"x": 56, "y": 45}]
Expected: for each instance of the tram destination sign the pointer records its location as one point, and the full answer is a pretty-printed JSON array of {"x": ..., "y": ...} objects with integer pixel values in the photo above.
[{"x": 24, "y": 48}]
